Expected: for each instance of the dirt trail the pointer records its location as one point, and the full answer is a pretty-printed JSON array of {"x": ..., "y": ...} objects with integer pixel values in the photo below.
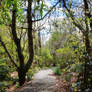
[{"x": 43, "y": 81}]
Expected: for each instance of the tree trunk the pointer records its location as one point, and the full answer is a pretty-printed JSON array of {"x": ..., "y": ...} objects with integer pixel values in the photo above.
[
  {"x": 87, "y": 66},
  {"x": 39, "y": 43},
  {"x": 22, "y": 76},
  {"x": 87, "y": 44},
  {"x": 17, "y": 41},
  {"x": 30, "y": 36}
]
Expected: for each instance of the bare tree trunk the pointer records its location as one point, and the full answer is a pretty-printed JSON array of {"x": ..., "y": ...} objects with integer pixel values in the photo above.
[
  {"x": 30, "y": 36},
  {"x": 87, "y": 69},
  {"x": 22, "y": 76},
  {"x": 21, "y": 69},
  {"x": 86, "y": 72},
  {"x": 39, "y": 43},
  {"x": 87, "y": 44}
]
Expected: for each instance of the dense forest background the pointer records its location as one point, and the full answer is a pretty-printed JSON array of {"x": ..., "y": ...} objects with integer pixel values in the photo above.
[{"x": 37, "y": 34}]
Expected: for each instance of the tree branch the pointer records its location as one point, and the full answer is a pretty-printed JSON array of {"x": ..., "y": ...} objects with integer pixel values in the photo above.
[
  {"x": 10, "y": 57},
  {"x": 46, "y": 13},
  {"x": 15, "y": 37},
  {"x": 72, "y": 17}
]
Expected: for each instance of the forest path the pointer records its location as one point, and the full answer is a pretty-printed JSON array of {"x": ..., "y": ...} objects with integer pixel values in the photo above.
[{"x": 43, "y": 81}]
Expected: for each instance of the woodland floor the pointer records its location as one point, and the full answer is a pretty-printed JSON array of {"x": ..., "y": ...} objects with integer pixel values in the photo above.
[{"x": 43, "y": 81}]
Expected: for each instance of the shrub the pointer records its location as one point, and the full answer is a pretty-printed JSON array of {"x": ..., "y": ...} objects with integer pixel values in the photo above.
[
  {"x": 57, "y": 70},
  {"x": 45, "y": 58},
  {"x": 77, "y": 67},
  {"x": 4, "y": 75},
  {"x": 4, "y": 70},
  {"x": 3, "y": 86}
]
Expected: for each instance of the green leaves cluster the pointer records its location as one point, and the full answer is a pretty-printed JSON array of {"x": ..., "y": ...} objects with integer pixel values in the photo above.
[
  {"x": 7, "y": 8},
  {"x": 4, "y": 70}
]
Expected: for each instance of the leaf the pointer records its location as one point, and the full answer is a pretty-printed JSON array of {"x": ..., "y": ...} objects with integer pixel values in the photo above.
[{"x": 41, "y": 10}]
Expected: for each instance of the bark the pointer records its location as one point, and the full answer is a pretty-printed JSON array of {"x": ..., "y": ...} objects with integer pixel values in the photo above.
[
  {"x": 87, "y": 15},
  {"x": 87, "y": 12},
  {"x": 87, "y": 44},
  {"x": 39, "y": 43},
  {"x": 16, "y": 39},
  {"x": 87, "y": 69},
  {"x": 22, "y": 76},
  {"x": 30, "y": 37},
  {"x": 21, "y": 70}
]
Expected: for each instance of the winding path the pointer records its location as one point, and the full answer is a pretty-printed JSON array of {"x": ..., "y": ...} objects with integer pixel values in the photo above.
[{"x": 43, "y": 81}]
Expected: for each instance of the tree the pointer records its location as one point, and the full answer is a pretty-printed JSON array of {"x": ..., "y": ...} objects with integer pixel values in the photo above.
[
  {"x": 23, "y": 67},
  {"x": 85, "y": 30},
  {"x": 64, "y": 43}
]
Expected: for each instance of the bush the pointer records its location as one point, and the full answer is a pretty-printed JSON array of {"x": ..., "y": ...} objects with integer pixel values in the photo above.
[
  {"x": 45, "y": 58},
  {"x": 29, "y": 75},
  {"x": 4, "y": 70},
  {"x": 57, "y": 70},
  {"x": 77, "y": 67},
  {"x": 4, "y": 75},
  {"x": 3, "y": 86}
]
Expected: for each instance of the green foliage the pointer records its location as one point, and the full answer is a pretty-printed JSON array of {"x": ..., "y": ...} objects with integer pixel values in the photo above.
[
  {"x": 56, "y": 36},
  {"x": 68, "y": 77},
  {"x": 41, "y": 10},
  {"x": 34, "y": 68},
  {"x": 30, "y": 74},
  {"x": 17, "y": 85},
  {"x": 4, "y": 75},
  {"x": 78, "y": 68},
  {"x": 45, "y": 58},
  {"x": 64, "y": 49},
  {"x": 5, "y": 16},
  {"x": 41, "y": 7},
  {"x": 65, "y": 56},
  {"x": 4, "y": 70},
  {"x": 3, "y": 86},
  {"x": 57, "y": 70}
]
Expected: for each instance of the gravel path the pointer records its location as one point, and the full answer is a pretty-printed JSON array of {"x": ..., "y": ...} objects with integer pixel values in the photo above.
[{"x": 43, "y": 81}]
